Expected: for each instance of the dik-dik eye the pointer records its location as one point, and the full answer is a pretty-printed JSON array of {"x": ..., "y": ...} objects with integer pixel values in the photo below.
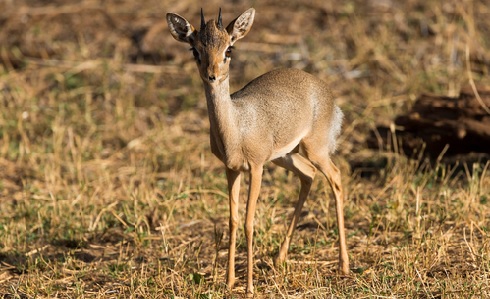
[
  {"x": 196, "y": 54},
  {"x": 228, "y": 52}
]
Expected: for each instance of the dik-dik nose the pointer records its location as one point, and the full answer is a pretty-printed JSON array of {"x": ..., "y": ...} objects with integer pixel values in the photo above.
[{"x": 212, "y": 71}]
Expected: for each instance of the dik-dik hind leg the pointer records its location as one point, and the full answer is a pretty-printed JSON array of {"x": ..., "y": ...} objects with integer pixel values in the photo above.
[
  {"x": 332, "y": 173},
  {"x": 303, "y": 168},
  {"x": 233, "y": 178}
]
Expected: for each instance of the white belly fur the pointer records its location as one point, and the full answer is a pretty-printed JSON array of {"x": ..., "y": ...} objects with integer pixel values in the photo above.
[{"x": 281, "y": 152}]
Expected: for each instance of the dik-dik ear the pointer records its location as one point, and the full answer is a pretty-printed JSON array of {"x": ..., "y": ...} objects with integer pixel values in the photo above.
[
  {"x": 240, "y": 26},
  {"x": 180, "y": 28}
]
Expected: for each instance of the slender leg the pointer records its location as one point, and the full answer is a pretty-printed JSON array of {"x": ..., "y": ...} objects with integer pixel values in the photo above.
[
  {"x": 234, "y": 193},
  {"x": 306, "y": 172},
  {"x": 253, "y": 195},
  {"x": 332, "y": 173}
]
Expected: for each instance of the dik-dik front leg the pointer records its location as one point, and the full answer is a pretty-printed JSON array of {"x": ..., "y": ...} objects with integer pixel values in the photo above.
[
  {"x": 233, "y": 178},
  {"x": 253, "y": 195}
]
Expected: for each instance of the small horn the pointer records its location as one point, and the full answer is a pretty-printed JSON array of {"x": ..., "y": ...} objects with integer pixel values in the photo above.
[
  {"x": 203, "y": 22},
  {"x": 220, "y": 22}
]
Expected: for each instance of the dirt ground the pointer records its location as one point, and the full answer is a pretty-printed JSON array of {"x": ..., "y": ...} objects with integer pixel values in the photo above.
[{"x": 108, "y": 188}]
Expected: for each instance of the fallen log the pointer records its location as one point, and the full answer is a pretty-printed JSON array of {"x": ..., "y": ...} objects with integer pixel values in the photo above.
[{"x": 440, "y": 124}]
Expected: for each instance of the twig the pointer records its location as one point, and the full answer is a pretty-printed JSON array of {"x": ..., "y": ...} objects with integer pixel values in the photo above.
[
  {"x": 472, "y": 82},
  {"x": 323, "y": 263},
  {"x": 78, "y": 66},
  {"x": 54, "y": 10},
  {"x": 37, "y": 250}
]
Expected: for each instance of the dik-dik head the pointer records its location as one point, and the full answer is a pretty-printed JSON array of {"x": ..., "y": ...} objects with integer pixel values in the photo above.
[{"x": 212, "y": 44}]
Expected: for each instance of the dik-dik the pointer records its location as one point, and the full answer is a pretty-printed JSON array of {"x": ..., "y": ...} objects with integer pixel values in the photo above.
[{"x": 285, "y": 116}]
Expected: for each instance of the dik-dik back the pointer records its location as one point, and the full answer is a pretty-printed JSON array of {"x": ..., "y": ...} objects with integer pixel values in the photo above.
[{"x": 286, "y": 105}]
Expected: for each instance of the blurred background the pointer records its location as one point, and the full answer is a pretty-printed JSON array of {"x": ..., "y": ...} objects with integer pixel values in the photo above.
[{"x": 378, "y": 55}]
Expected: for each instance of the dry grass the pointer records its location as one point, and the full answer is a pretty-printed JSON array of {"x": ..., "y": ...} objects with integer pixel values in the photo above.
[{"x": 108, "y": 188}]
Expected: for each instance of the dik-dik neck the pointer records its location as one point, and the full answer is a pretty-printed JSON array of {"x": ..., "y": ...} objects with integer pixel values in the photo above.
[{"x": 222, "y": 115}]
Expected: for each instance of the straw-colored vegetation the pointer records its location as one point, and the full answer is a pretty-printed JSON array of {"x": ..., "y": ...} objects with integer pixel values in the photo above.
[{"x": 108, "y": 188}]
